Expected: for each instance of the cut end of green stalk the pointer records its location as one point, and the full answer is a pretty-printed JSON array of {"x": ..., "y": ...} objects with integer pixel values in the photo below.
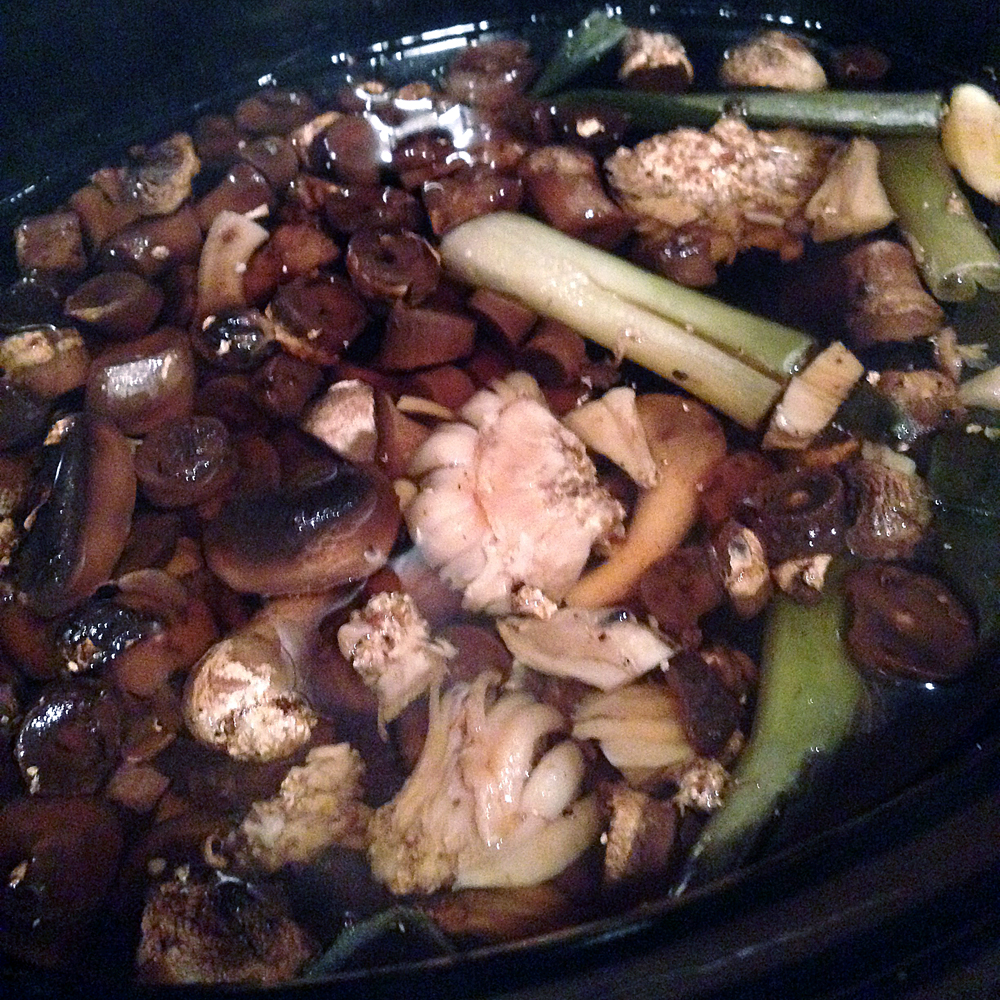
[{"x": 952, "y": 249}]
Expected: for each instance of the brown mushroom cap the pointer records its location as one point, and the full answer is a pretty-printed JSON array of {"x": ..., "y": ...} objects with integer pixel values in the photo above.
[{"x": 306, "y": 537}]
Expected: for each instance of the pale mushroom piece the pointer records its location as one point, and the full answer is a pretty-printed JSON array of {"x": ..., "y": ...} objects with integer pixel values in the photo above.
[
  {"x": 772, "y": 59},
  {"x": 480, "y": 809},
  {"x": 390, "y": 645},
  {"x": 655, "y": 60},
  {"x": 318, "y": 804},
  {"x": 343, "y": 418},
  {"x": 611, "y": 426}
]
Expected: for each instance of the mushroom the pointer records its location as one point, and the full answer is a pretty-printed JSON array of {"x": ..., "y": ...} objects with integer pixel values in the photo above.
[
  {"x": 139, "y": 384},
  {"x": 220, "y": 930},
  {"x": 120, "y": 304},
  {"x": 508, "y": 498},
  {"x": 343, "y": 418},
  {"x": 47, "y": 360},
  {"x": 907, "y": 624},
  {"x": 685, "y": 441},
  {"x": 318, "y": 804},
  {"x": 236, "y": 340},
  {"x": 159, "y": 177},
  {"x": 772, "y": 59},
  {"x": 392, "y": 265},
  {"x": 242, "y": 697},
  {"x": 229, "y": 244},
  {"x": 656, "y": 61},
  {"x": 389, "y": 644},
  {"x": 80, "y": 528},
  {"x": 334, "y": 527},
  {"x": 611, "y": 426},
  {"x": 482, "y": 807}
]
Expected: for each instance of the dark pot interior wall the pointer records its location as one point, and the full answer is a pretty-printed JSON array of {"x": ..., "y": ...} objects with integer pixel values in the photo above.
[{"x": 70, "y": 65}]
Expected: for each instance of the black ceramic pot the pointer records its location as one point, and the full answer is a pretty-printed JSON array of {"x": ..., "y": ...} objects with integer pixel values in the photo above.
[{"x": 884, "y": 901}]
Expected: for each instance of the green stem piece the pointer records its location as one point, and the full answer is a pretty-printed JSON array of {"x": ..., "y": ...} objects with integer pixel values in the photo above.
[
  {"x": 735, "y": 361},
  {"x": 853, "y": 112},
  {"x": 807, "y": 703},
  {"x": 599, "y": 32},
  {"x": 952, "y": 249}
]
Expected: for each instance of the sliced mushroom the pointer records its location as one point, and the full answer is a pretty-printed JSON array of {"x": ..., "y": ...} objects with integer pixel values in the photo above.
[
  {"x": 80, "y": 529},
  {"x": 307, "y": 537},
  {"x": 772, "y": 59},
  {"x": 907, "y": 624}
]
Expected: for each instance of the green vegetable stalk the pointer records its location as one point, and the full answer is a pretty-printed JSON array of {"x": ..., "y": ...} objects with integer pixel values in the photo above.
[
  {"x": 735, "y": 361},
  {"x": 854, "y": 112},
  {"x": 952, "y": 249},
  {"x": 809, "y": 696}
]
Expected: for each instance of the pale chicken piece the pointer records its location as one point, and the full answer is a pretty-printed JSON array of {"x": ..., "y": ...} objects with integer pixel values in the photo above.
[
  {"x": 318, "y": 805},
  {"x": 389, "y": 644},
  {"x": 750, "y": 186},
  {"x": 480, "y": 809},
  {"x": 508, "y": 499}
]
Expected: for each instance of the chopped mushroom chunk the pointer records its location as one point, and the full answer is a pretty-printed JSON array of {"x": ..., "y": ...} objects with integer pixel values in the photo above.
[
  {"x": 655, "y": 60},
  {"x": 749, "y": 186},
  {"x": 772, "y": 59}
]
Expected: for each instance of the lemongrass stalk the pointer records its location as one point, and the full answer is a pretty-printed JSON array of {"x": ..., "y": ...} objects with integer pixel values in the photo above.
[{"x": 735, "y": 361}]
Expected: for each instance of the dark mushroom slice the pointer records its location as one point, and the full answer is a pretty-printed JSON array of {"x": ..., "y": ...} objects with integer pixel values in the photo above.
[
  {"x": 274, "y": 111},
  {"x": 710, "y": 711},
  {"x": 884, "y": 297},
  {"x": 422, "y": 337},
  {"x": 185, "y": 461},
  {"x": 275, "y": 157},
  {"x": 284, "y": 384},
  {"x": 316, "y": 319},
  {"x": 61, "y": 857},
  {"x": 237, "y": 340},
  {"x": 243, "y": 189},
  {"x": 93, "y": 635},
  {"x": 597, "y": 129},
  {"x": 139, "y": 384},
  {"x": 24, "y": 416},
  {"x": 308, "y": 536},
  {"x": 565, "y": 187},
  {"x": 80, "y": 529},
  {"x": 907, "y": 624},
  {"x": 491, "y": 74},
  {"x": 468, "y": 194},
  {"x": 159, "y": 177},
  {"x": 799, "y": 513},
  {"x": 118, "y": 303},
  {"x": 70, "y": 738},
  {"x": 103, "y": 208},
  {"x": 219, "y": 930},
  {"x": 347, "y": 209},
  {"x": 388, "y": 266},
  {"x": 679, "y": 590}
]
